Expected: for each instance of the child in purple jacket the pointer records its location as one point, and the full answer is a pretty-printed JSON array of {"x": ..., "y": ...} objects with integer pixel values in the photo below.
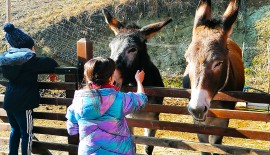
[{"x": 98, "y": 111}]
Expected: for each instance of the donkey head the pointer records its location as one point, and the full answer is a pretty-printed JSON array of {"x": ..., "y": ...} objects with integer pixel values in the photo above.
[
  {"x": 128, "y": 47},
  {"x": 207, "y": 56}
]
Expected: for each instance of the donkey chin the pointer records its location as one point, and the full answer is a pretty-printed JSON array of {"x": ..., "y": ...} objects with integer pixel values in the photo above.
[
  {"x": 198, "y": 114},
  {"x": 198, "y": 109}
]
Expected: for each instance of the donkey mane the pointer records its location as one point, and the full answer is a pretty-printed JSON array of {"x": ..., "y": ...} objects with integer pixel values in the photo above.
[
  {"x": 132, "y": 26},
  {"x": 129, "y": 27},
  {"x": 212, "y": 23}
]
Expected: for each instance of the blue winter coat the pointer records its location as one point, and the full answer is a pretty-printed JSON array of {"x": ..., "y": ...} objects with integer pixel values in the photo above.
[{"x": 21, "y": 67}]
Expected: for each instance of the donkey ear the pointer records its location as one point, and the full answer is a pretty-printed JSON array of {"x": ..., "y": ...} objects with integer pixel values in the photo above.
[
  {"x": 114, "y": 24},
  {"x": 150, "y": 30},
  {"x": 230, "y": 15},
  {"x": 203, "y": 12}
]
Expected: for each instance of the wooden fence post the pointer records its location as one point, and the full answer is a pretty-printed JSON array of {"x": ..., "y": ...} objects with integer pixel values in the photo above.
[
  {"x": 8, "y": 10},
  {"x": 84, "y": 53}
]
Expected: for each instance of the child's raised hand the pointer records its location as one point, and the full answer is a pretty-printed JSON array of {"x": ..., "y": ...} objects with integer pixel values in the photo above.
[{"x": 139, "y": 76}]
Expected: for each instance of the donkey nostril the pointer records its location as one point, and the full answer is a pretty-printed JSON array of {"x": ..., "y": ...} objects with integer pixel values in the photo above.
[{"x": 205, "y": 109}]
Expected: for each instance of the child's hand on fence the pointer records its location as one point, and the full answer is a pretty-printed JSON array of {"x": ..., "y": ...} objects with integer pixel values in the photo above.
[{"x": 52, "y": 77}]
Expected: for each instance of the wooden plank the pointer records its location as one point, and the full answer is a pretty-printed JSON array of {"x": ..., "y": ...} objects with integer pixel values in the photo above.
[
  {"x": 58, "y": 85},
  {"x": 220, "y": 113},
  {"x": 66, "y": 70},
  {"x": 203, "y": 129},
  {"x": 51, "y": 101},
  {"x": 194, "y": 146},
  {"x": 50, "y": 116},
  {"x": 55, "y": 146},
  {"x": 55, "y": 101},
  {"x": 235, "y": 96},
  {"x": 243, "y": 97},
  {"x": 52, "y": 85},
  {"x": 39, "y": 129},
  {"x": 161, "y": 91},
  {"x": 239, "y": 114},
  {"x": 50, "y": 131},
  {"x": 41, "y": 115}
]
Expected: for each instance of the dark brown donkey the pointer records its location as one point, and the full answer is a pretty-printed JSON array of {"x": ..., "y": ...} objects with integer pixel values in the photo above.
[
  {"x": 214, "y": 64},
  {"x": 129, "y": 51}
]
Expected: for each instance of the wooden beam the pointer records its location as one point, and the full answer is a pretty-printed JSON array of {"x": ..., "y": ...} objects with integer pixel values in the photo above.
[
  {"x": 50, "y": 116},
  {"x": 55, "y": 101},
  {"x": 194, "y": 146},
  {"x": 235, "y": 96},
  {"x": 202, "y": 129},
  {"x": 219, "y": 113},
  {"x": 50, "y": 131},
  {"x": 55, "y": 146},
  {"x": 39, "y": 130},
  {"x": 58, "y": 85}
]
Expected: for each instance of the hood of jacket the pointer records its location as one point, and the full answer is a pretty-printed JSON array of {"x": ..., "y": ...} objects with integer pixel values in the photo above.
[
  {"x": 12, "y": 60},
  {"x": 16, "y": 56},
  {"x": 98, "y": 101}
]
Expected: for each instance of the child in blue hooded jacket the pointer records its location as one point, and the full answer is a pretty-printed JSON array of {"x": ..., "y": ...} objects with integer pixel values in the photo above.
[
  {"x": 21, "y": 67},
  {"x": 98, "y": 111}
]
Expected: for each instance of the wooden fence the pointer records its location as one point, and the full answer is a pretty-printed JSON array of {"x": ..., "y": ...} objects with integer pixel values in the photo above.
[{"x": 74, "y": 75}]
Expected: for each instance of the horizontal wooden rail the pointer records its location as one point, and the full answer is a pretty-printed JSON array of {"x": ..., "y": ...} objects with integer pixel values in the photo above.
[
  {"x": 39, "y": 129},
  {"x": 173, "y": 126},
  {"x": 49, "y": 116},
  {"x": 162, "y": 142},
  {"x": 66, "y": 70},
  {"x": 220, "y": 113},
  {"x": 55, "y": 101},
  {"x": 51, "y": 101},
  {"x": 234, "y": 96},
  {"x": 202, "y": 129},
  {"x": 53, "y": 85},
  {"x": 50, "y": 131},
  {"x": 41, "y": 115},
  {"x": 55, "y": 146},
  {"x": 194, "y": 146},
  {"x": 58, "y": 85}
]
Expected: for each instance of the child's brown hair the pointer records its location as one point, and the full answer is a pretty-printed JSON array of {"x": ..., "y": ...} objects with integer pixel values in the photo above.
[{"x": 98, "y": 70}]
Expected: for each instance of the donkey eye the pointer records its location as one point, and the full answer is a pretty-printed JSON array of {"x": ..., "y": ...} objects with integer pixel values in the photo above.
[
  {"x": 218, "y": 64},
  {"x": 132, "y": 50}
]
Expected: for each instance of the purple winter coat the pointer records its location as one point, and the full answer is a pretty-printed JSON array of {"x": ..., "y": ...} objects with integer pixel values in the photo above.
[{"x": 101, "y": 122}]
